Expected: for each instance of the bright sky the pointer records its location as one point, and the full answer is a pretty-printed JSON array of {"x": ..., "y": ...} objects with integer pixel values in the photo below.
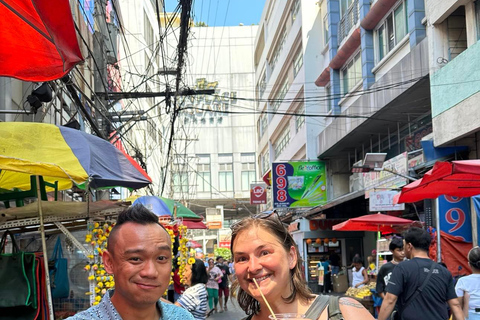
[{"x": 224, "y": 12}]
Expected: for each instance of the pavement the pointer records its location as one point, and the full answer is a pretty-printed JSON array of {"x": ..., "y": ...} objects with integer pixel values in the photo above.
[{"x": 234, "y": 312}]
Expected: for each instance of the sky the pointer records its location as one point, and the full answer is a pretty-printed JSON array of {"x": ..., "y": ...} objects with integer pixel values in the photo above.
[{"x": 224, "y": 12}]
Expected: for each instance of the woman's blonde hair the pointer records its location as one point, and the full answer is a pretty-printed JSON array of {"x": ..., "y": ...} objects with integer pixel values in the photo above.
[{"x": 274, "y": 226}]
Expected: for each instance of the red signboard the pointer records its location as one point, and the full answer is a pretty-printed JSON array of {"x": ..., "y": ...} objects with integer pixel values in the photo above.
[
  {"x": 258, "y": 193},
  {"x": 224, "y": 244}
]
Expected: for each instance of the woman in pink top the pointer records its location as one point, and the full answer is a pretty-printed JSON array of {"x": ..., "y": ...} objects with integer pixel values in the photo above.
[{"x": 214, "y": 275}]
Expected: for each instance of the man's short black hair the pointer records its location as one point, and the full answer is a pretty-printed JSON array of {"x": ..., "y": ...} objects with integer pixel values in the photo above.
[
  {"x": 219, "y": 257},
  {"x": 420, "y": 239},
  {"x": 199, "y": 272},
  {"x": 396, "y": 243},
  {"x": 136, "y": 214}
]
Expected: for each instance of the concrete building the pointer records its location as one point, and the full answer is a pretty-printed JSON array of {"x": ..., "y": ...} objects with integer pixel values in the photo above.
[
  {"x": 453, "y": 33},
  {"x": 287, "y": 56}
]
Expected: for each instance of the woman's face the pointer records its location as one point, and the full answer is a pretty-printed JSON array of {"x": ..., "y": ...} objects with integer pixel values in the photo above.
[
  {"x": 259, "y": 255},
  {"x": 210, "y": 263},
  {"x": 187, "y": 274}
]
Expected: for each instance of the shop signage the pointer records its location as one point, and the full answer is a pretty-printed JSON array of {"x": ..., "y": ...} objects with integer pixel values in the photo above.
[
  {"x": 385, "y": 179},
  {"x": 224, "y": 244},
  {"x": 383, "y": 201},
  {"x": 258, "y": 193},
  {"x": 214, "y": 218},
  {"x": 324, "y": 224},
  {"x": 455, "y": 217},
  {"x": 299, "y": 184}
]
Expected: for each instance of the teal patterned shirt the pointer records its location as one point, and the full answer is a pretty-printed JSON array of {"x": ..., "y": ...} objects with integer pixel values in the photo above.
[{"x": 105, "y": 310}]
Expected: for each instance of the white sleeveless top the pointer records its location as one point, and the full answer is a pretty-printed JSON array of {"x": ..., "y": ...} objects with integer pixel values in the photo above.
[{"x": 357, "y": 277}]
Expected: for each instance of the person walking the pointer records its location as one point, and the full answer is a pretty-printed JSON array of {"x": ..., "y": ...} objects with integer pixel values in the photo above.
[
  {"x": 214, "y": 276},
  {"x": 195, "y": 298},
  {"x": 468, "y": 287},
  {"x": 223, "y": 289},
  {"x": 421, "y": 286},
  {"x": 385, "y": 273}
]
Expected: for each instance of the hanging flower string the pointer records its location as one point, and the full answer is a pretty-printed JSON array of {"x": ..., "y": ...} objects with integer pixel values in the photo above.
[{"x": 97, "y": 236}]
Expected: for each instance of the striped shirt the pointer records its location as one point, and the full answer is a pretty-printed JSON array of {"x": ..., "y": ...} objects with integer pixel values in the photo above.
[
  {"x": 195, "y": 299},
  {"x": 105, "y": 310}
]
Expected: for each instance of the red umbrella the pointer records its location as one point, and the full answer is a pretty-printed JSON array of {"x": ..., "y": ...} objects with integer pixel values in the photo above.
[
  {"x": 372, "y": 222},
  {"x": 38, "y": 38},
  {"x": 456, "y": 178}
]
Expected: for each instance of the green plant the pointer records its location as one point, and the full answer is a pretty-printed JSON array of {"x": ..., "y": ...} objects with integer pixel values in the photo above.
[{"x": 224, "y": 252}]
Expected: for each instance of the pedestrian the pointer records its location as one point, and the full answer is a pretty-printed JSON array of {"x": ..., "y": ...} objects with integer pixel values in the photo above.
[
  {"x": 195, "y": 298},
  {"x": 265, "y": 253},
  {"x": 214, "y": 276},
  {"x": 421, "y": 286},
  {"x": 383, "y": 277},
  {"x": 471, "y": 285},
  {"x": 327, "y": 279},
  {"x": 359, "y": 274},
  {"x": 223, "y": 289},
  {"x": 139, "y": 256}
]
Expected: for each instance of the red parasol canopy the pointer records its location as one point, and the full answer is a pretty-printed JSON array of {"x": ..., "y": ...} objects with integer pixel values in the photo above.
[
  {"x": 372, "y": 222},
  {"x": 38, "y": 40},
  {"x": 456, "y": 178}
]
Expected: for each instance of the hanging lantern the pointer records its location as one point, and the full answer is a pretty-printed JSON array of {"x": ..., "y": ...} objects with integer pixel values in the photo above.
[
  {"x": 326, "y": 241},
  {"x": 334, "y": 240},
  {"x": 318, "y": 240},
  {"x": 309, "y": 241}
]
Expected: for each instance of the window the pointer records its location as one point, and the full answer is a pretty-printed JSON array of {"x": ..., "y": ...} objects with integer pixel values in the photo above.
[
  {"x": 225, "y": 172},
  {"x": 300, "y": 120},
  {"x": 325, "y": 30},
  {"x": 180, "y": 182},
  {"x": 147, "y": 30},
  {"x": 344, "y": 5},
  {"x": 282, "y": 141},
  {"x": 280, "y": 95},
  {"x": 297, "y": 62},
  {"x": 295, "y": 9},
  {"x": 352, "y": 73},
  {"x": 328, "y": 98},
  {"x": 204, "y": 183},
  {"x": 262, "y": 126},
  {"x": 262, "y": 85},
  {"x": 278, "y": 48},
  {"x": 265, "y": 160},
  {"x": 393, "y": 29},
  {"x": 248, "y": 170}
]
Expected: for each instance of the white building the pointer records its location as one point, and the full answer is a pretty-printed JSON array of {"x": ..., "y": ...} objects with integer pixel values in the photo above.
[{"x": 288, "y": 56}]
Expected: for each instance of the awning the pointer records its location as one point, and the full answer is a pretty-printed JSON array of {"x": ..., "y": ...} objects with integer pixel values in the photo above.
[
  {"x": 38, "y": 38},
  {"x": 194, "y": 224},
  {"x": 334, "y": 202}
]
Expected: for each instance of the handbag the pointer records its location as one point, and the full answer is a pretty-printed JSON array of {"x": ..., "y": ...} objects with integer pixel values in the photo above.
[
  {"x": 17, "y": 276},
  {"x": 58, "y": 266},
  {"x": 395, "y": 314}
]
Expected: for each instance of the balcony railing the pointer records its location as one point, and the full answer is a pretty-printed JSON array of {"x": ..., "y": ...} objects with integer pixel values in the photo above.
[{"x": 348, "y": 21}]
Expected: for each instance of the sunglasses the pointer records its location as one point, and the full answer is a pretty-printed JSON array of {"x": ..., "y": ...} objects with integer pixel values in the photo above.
[{"x": 263, "y": 215}]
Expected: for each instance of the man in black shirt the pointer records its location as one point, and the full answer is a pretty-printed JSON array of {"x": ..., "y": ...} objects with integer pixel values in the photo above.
[
  {"x": 407, "y": 277},
  {"x": 396, "y": 248},
  {"x": 223, "y": 289}
]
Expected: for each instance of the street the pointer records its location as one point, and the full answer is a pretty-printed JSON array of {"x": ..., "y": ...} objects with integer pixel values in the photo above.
[{"x": 234, "y": 312}]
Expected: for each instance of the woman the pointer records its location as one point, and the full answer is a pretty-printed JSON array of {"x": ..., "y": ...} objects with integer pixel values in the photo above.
[
  {"x": 469, "y": 286},
  {"x": 194, "y": 299},
  {"x": 360, "y": 276},
  {"x": 214, "y": 275},
  {"x": 263, "y": 250}
]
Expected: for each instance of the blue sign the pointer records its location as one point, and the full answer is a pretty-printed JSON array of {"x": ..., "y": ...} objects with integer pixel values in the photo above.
[{"x": 455, "y": 217}]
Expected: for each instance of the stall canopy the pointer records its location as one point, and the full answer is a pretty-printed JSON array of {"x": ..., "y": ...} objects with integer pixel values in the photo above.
[
  {"x": 39, "y": 41},
  {"x": 372, "y": 222},
  {"x": 65, "y": 155},
  {"x": 456, "y": 178}
]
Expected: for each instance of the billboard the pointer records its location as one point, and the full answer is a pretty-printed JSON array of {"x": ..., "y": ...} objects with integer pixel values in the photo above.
[
  {"x": 258, "y": 193},
  {"x": 383, "y": 201},
  {"x": 455, "y": 217},
  {"x": 299, "y": 184}
]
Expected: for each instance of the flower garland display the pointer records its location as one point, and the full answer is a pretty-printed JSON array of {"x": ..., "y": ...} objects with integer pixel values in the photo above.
[
  {"x": 100, "y": 281},
  {"x": 178, "y": 231}
]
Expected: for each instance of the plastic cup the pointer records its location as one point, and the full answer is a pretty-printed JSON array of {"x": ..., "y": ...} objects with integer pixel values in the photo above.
[{"x": 288, "y": 316}]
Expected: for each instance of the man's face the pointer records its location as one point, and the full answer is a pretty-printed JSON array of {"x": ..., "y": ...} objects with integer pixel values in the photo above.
[
  {"x": 220, "y": 261},
  {"x": 141, "y": 261},
  {"x": 398, "y": 254}
]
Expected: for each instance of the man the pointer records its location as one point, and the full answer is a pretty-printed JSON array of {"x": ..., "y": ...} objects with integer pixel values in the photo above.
[
  {"x": 223, "y": 286},
  {"x": 408, "y": 276},
  {"x": 140, "y": 258},
  {"x": 396, "y": 248}
]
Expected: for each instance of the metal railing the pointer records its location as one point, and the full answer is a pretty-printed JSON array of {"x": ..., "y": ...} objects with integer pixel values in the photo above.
[{"x": 348, "y": 21}]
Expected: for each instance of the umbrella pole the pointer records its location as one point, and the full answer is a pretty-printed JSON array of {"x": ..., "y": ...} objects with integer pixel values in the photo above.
[
  {"x": 44, "y": 249},
  {"x": 437, "y": 226}
]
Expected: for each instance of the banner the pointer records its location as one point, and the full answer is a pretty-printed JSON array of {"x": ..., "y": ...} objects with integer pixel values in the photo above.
[
  {"x": 455, "y": 217},
  {"x": 383, "y": 201},
  {"x": 299, "y": 184},
  {"x": 258, "y": 193}
]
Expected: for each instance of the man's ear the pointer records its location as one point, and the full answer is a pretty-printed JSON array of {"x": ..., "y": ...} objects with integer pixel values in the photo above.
[{"x": 107, "y": 258}]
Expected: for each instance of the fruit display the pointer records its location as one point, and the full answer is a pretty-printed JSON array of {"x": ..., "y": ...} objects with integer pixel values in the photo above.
[{"x": 362, "y": 292}]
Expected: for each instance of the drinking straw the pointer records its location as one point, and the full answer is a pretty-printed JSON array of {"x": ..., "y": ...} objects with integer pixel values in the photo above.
[{"x": 265, "y": 299}]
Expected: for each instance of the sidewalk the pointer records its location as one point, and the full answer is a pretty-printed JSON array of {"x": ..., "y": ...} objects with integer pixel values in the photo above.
[{"x": 234, "y": 312}]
